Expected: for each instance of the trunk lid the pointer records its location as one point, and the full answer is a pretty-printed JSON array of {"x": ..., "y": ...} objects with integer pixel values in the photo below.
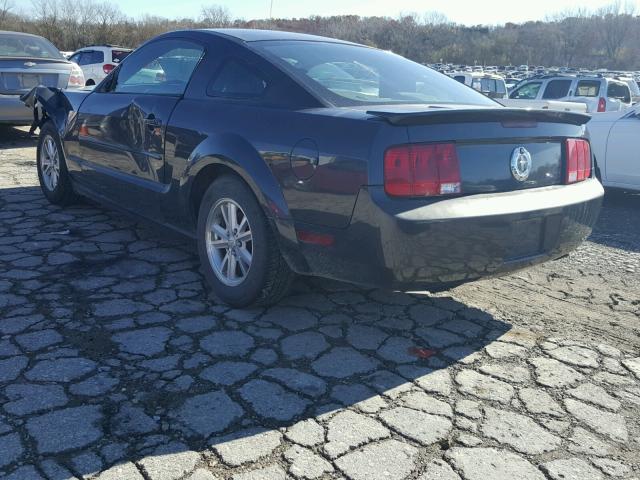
[
  {"x": 487, "y": 139},
  {"x": 19, "y": 75}
]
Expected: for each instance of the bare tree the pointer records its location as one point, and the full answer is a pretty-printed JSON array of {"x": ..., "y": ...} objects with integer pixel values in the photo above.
[
  {"x": 616, "y": 22},
  {"x": 574, "y": 33},
  {"x": 435, "y": 18},
  {"x": 107, "y": 18},
  {"x": 46, "y": 20},
  {"x": 215, "y": 16},
  {"x": 608, "y": 37},
  {"x": 5, "y": 8}
]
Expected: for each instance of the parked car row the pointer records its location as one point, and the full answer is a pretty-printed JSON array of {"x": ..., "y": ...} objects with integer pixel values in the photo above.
[
  {"x": 513, "y": 74},
  {"x": 596, "y": 92}
]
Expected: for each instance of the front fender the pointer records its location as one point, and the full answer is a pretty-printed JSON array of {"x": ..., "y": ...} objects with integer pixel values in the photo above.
[
  {"x": 59, "y": 106},
  {"x": 234, "y": 152}
]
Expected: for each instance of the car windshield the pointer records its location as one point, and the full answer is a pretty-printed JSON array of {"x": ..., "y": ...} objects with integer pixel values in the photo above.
[
  {"x": 346, "y": 75},
  {"x": 26, "y": 46}
]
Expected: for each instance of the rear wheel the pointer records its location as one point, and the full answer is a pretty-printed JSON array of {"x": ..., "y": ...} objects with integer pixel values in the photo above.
[
  {"x": 55, "y": 181},
  {"x": 238, "y": 250}
]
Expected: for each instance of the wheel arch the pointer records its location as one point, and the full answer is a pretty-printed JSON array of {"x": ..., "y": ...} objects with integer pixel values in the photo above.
[
  {"x": 48, "y": 103},
  {"x": 231, "y": 155}
]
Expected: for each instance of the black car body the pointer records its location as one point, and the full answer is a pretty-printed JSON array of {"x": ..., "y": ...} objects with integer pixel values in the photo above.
[
  {"x": 25, "y": 62},
  {"x": 323, "y": 142}
]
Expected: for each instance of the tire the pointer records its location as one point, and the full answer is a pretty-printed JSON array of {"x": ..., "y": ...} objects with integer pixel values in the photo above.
[
  {"x": 263, "y": 280},
  {"x": 56, "y": 186}
]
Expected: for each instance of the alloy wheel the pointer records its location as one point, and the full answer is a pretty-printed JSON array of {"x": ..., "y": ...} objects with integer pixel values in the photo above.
[
  {"x": 50, "y": 163},
  {"x": 229, "y": 242}
]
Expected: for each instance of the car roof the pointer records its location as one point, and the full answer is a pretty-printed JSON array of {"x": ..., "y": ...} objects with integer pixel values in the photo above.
[
  {"x": 254, "y": 35},
  {"x": 24, "y": 34}
]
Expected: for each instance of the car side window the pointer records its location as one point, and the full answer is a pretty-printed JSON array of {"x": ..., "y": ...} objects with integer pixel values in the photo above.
[
  {"x": 619, "y": 92},
  {"x": 82, "y": 58},
  {"x": 97, "y": 56},
  {"x": 163, "y": 67},
  {"x": 528, "y": 91},
  {"x": 235, "y": 79},
  {"x": 556, "y": 89}
]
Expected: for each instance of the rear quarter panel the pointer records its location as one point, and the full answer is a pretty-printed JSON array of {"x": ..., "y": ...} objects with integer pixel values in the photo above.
[{"x": 259, "y": 141}]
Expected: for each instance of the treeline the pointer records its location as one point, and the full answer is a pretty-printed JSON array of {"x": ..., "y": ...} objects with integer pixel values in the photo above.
[{"x": 606, "y": 38}]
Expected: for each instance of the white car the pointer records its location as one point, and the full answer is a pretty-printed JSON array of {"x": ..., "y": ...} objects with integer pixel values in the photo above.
[
  {"x": 491, "y": 85},
  {"x": 97, "y": 61},
  {"x": 633, "y": 87},
  {"x": 614, "y": 142}
]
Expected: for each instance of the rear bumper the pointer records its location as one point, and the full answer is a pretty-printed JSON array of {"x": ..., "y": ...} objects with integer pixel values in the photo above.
[
  {"x": 13, "y": 111},
  {"x": 409, "y": 244}
]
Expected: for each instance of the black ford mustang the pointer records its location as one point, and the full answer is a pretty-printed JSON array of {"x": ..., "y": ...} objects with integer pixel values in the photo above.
[{"x": 285, "y": 153}]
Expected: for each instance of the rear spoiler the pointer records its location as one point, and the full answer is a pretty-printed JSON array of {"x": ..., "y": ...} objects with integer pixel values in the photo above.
[{"x": 477, "y": 115}]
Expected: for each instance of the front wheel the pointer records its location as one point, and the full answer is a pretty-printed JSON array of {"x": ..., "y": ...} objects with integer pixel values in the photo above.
[
  {"x": 55, "y": 181},
  {"x": 237, "y": 247}
]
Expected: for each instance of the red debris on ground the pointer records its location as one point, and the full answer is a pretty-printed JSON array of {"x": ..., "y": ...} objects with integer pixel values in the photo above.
[{"x": 421, "y": 352}]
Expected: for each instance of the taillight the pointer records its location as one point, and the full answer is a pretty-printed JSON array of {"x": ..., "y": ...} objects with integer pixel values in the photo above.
[
  {"x": 578, "y": 154},
  {"x": 602, "y": 104},
  {"x": 107, "y": 67},
  {"x": 422, "y": 170},
  {"x": 76, "y": 78}
]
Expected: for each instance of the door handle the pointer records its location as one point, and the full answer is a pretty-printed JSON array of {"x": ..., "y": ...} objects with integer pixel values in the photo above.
[{"x": 152, "y": 122}]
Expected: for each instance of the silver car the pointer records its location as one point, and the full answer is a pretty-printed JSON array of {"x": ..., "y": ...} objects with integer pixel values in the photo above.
[{"x": 27, "y": 61}]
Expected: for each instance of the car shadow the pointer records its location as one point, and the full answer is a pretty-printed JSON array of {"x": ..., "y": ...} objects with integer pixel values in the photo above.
[
  {"x": 133, "y": 361},
  {"x": 16, "y": 137},
  {"x": 619, "y": 223}
]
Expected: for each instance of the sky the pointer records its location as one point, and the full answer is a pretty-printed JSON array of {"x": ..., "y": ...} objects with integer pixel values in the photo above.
[{"x": 468, "y": 12}]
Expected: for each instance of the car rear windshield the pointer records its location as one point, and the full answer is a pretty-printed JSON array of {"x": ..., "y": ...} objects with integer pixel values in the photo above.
[
  {"x": 26, "y": 46},
  {"x": 619, "y": 91},
  {"x": 118, "y": 55},
  {"x": 489, "y": 85},
  {"x": 346, "y": 75},
  {"x": 588, "y": 88}
]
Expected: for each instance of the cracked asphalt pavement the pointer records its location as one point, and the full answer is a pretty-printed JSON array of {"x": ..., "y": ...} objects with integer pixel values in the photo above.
[{"x": 116, "y": 362}]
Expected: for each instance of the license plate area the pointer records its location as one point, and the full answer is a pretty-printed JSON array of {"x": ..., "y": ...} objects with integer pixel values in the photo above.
[
  {"x": 30, "y": 81},
  {"x": 526, "y": 238},
  {"x": 27, "y": 81}
]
